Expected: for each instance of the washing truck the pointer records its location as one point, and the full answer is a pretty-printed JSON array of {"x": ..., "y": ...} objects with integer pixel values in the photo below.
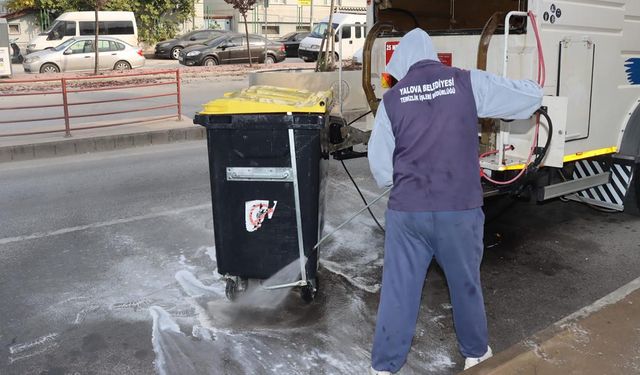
[
  {"x": 583, "y": 144},
  {"x": 586, "y": 56}
]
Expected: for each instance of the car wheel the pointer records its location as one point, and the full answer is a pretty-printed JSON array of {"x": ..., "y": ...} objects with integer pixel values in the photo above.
[
  {"x": 270, "y": 60},
  {"x": 49, "y": 68},
  {"x": 122, "y": 65},
  {"x": 210, "y": 61},
  {"x": 175, "y": 52}
]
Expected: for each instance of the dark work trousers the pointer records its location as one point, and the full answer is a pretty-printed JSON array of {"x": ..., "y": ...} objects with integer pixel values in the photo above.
[{"x": 454, "y": 238}]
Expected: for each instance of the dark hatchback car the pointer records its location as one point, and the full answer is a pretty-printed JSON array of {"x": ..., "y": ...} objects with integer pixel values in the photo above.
[
  {"x": 292, "y": 41},
  {"x": 232, "y": 49},
  {"x": 171, "y": 48}
]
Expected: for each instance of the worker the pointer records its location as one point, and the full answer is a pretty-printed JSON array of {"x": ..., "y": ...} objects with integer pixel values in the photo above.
[{"x": 425, "y": 144}]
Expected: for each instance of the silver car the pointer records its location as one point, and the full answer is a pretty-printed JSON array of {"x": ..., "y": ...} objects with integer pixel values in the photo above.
[{"x": 77, "y": 54}]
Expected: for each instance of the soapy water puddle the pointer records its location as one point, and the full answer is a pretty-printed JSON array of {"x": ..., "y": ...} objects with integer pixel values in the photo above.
[
  {"x": 260, "y": 297},
  {"x": 265, "y": 332},
  {"x": 274, "y": 331}
]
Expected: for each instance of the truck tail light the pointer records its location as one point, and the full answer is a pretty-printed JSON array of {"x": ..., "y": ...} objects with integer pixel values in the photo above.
[{"x": 387, "y": 81}]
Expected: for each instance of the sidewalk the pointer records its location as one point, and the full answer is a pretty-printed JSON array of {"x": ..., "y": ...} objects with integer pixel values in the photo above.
[
  {"x": 102, "y": 139},
  {"x": 601, "y": 339}
]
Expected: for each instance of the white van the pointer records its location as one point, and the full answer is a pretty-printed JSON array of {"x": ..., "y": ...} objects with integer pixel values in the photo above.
[
  {"x": 121, "y": 25},
  {"x": 352, "y": 36}
]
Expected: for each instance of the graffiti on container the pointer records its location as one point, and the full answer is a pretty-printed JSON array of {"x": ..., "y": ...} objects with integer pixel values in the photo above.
[{"x": 256, "y": 212}]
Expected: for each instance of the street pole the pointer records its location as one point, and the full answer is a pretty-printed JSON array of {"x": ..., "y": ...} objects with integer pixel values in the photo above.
[
  {"x": 266, "y": 5},
  {"x": 311, "y": 17},
  {"x": 95, "y": 45}
]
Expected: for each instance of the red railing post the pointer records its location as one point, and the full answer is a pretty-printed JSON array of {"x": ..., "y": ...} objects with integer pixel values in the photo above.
[
  {"x": 65, "y": 106},
  {"x": 179, "y": 94}
]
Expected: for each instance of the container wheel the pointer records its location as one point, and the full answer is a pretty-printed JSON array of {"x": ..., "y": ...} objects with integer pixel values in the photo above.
[
  {"x": 231, "y": 290},
  {"x": 310, "y": 291}
]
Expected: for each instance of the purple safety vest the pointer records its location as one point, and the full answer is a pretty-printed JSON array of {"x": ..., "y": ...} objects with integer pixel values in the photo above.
[{"x": 434, "y": 120}]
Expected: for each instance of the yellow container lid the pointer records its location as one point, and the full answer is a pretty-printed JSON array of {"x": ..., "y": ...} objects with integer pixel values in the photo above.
[{"x": 269, "y": 99}]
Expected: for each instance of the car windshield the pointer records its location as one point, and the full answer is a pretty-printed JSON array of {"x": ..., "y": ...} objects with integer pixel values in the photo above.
[
  {"x": 215, "y": 42},
  {"x": 64, "y": 45},
  {"x": 321, "y": 28},
  {"x": 53, "y": 26},
  {"x": 188, "y": 35},
  {"x": 287, "y": 36}
]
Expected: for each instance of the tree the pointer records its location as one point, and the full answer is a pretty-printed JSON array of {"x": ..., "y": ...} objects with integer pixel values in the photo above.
[
  {"x": 14, "y": 5},
  {"x": 98, "y": 5},
  {"x": 244, "y": 6},
  {"x": 157, "y": 19}
]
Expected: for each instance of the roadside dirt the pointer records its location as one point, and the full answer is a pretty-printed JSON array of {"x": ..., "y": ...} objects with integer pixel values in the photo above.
[{"x": 32, "y": 83}]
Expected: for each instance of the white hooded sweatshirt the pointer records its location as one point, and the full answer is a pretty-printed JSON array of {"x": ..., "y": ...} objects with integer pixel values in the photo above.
[{"x": 495, "y": 97}]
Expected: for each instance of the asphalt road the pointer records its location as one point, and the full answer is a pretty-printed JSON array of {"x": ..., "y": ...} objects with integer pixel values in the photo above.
[{"x": 107, "y": 265}]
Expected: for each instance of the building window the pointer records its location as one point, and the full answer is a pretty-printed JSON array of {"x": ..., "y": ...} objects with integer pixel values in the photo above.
[
  {"x": 14, "y": 29},
  {"x": 303, "y": 28},
  {"x": 271, "y": 29}
]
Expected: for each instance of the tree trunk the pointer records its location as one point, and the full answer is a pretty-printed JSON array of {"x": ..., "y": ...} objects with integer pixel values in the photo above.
[
  {"x": 246, "y": 29},
  {"x": 330, "y": 42},
  {"x": 95, "y": 45}
]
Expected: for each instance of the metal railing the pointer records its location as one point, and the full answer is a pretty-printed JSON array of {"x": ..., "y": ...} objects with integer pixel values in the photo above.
[{"x": 74, "y": 85}]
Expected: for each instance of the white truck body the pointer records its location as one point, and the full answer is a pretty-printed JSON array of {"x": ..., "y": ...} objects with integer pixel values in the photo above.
[
  {"x": 592, "y": 88},
  {"x": 352, "y": 36}
]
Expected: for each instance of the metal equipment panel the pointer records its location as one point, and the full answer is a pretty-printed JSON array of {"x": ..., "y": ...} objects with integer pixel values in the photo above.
[
  {"x": 576, "y": 83},
  {"x": 520, "y": 134},
  {"x": 558, "y": 110}
]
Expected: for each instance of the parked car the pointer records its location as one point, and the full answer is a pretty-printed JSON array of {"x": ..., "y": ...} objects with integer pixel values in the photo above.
[
  {"x": 77, "y": 24},
  {"x": 78, "y": 54},
  {"x": 231, "y": 49},
  {"x": 171, "y": 48},
  {"x": 291, "y": 42},
  {"x": 352, "y": 37}
]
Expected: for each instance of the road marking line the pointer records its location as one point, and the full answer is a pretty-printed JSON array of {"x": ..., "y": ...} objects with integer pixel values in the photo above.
[{"x": 8, "y": 240}]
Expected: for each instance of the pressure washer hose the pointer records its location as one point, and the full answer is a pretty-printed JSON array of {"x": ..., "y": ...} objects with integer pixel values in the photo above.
[
  {"x": 317, "y": 245},
  {"x": 542, "y": 76}
]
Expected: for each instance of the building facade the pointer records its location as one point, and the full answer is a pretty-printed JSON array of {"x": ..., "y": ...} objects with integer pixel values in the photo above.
[
  {"x": 283, "y": 16},
  {"x": 197, "y": 21},
  {"x": 24, "y": 25}
]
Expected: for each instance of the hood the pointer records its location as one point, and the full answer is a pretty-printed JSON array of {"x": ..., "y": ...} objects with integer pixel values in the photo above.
[
  {"x": 41, "y": 53},
  {"x": 414, "y": 47},
  {"x": 168, "y": 41},
  {"x": 195, "y": 47}
]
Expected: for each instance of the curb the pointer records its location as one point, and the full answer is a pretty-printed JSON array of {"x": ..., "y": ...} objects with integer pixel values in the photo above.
[
  {"x": 100, "y": 143},
  {"x": 500, "y": 363}
]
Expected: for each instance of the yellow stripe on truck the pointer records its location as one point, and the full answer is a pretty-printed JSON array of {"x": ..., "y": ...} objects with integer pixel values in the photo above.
[{"x": 571, "y": 157}]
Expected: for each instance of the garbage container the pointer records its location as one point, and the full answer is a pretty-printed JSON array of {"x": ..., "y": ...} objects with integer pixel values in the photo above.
[{"x": 267, "y": 170}]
